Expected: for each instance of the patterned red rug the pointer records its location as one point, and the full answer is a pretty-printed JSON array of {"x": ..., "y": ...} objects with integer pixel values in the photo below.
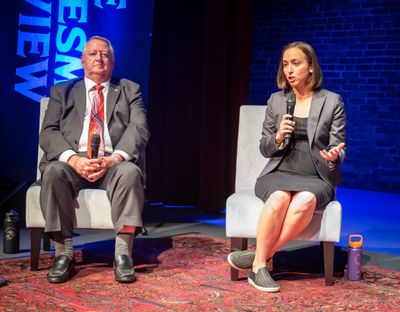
[{"x": 188, "y": 273}]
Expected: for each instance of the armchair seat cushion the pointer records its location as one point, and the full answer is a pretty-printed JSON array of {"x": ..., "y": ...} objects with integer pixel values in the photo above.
[
  {"x": 242, "y": 211},
  {"x": 92, "y": 210},
  {"x": 244, "y": 207}
]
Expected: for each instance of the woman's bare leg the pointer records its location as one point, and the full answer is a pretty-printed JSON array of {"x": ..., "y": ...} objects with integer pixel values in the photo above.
[
  {"x": 269, "y": 226},
  {"x": 298, "y": 217}
]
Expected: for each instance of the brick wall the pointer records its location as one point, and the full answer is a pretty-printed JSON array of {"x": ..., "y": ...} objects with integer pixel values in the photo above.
[{"x": 358, "y": 46}]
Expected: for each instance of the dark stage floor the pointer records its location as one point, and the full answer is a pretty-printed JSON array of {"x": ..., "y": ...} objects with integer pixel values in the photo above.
[{"x": 375, "y": 215}]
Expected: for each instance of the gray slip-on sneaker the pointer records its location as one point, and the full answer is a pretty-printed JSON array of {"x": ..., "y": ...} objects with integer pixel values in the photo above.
[
  {"x": 262, "y": 280},
  {"x": 241, "y": 259}
]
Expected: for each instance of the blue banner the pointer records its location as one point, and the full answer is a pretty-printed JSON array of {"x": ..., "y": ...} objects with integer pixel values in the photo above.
[{"x": 49, "y": 37}]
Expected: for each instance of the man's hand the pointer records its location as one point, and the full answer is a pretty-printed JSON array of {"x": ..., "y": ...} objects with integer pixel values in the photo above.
[
  {"x": 333, "y": 154},
  {"x": 105, "y": 164},
  {"x": 93, "y": 169},
  {"x": 85, "y": 167}
]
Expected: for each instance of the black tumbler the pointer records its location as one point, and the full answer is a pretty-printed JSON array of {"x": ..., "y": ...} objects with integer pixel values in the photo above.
[{"x": 11, "y": 232}]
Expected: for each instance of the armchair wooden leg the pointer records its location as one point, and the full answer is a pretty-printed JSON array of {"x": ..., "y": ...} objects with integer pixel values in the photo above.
[
  {"x": 36, "y": 237},
  {"x": 237, "y": 243},
  {"x": 329, "y": 253},
  {"x": 46, "y": 242}
]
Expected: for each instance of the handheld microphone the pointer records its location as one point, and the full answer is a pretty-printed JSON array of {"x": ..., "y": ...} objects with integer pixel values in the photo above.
[
  {"x": 290, "y": 103},
  {"x": 94, "y": 145}
]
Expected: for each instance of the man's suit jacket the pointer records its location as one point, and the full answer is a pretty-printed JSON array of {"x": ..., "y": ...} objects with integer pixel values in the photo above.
[
  {"x": 325, "y": 129},
  {"x": 63, "y": 121}
]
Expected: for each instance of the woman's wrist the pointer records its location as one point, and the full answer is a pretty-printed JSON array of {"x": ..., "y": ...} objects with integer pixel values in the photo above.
[
  {"x": 278, "y": 140},
  {"x": 279, "y": 143}
]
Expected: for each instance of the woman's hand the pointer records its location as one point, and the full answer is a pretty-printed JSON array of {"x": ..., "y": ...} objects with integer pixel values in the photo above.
[
  {"x": 333, "y": 154},
  {"x": 286, "y": 126}
]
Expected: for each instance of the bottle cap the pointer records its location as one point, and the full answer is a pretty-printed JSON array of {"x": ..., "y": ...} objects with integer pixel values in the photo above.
[
  {"x": 355, "y": 241},
  {"x": 12, "y": 215}
]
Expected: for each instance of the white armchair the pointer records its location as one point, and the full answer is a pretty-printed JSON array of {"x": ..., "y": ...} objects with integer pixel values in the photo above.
[
  {"x": 243, "y": 207},
  {"x": 92, "y": 211}
]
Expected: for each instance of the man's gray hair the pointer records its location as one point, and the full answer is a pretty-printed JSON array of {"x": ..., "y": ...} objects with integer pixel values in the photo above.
[{"x": 102, "y": 39}]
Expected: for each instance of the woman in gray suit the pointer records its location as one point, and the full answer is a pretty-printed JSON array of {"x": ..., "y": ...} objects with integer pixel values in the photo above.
[{"x": 302, "y": 170}]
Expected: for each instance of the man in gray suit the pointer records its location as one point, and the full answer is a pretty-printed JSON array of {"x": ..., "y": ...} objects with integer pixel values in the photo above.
[{"x": 66, "y": 168}]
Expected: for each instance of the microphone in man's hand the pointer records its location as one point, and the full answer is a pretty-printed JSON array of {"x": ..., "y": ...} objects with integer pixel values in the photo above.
[
  {"x": 94, "y": 145},
  {"x": 290, "y": 103}
]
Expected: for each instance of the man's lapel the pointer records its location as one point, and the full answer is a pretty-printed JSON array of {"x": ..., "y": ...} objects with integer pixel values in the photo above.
[
  {"x": 79, "y": 95},
  {"x": 113, "y": 94}
]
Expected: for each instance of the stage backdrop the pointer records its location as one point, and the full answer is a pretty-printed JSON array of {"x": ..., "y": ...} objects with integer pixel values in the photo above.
[
  {"x": 42, "y": 42},
  {"x": 358, "y": 46}
]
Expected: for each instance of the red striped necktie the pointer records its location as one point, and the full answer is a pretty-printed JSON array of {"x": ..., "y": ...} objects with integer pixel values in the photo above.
[{"x": 96, "y": 124}]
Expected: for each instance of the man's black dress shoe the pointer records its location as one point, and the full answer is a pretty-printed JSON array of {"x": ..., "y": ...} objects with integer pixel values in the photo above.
[
  {"x": 123, "y": 269},
  {"x": 61, "y": 270}
]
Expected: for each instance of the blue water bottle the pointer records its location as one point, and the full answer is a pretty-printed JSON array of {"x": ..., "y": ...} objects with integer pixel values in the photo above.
[{"x": 354, "y": 257}]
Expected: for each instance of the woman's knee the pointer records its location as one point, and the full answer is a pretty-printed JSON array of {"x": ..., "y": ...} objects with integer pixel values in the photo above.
[
  {"x": 308, "y": 198},
  {"x": 304, "y": 202},
  {"x": 279, "y": 200}
]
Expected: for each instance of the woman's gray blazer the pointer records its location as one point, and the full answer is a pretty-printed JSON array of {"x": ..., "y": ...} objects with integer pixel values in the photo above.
[{"x": 325, "y": 129}]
